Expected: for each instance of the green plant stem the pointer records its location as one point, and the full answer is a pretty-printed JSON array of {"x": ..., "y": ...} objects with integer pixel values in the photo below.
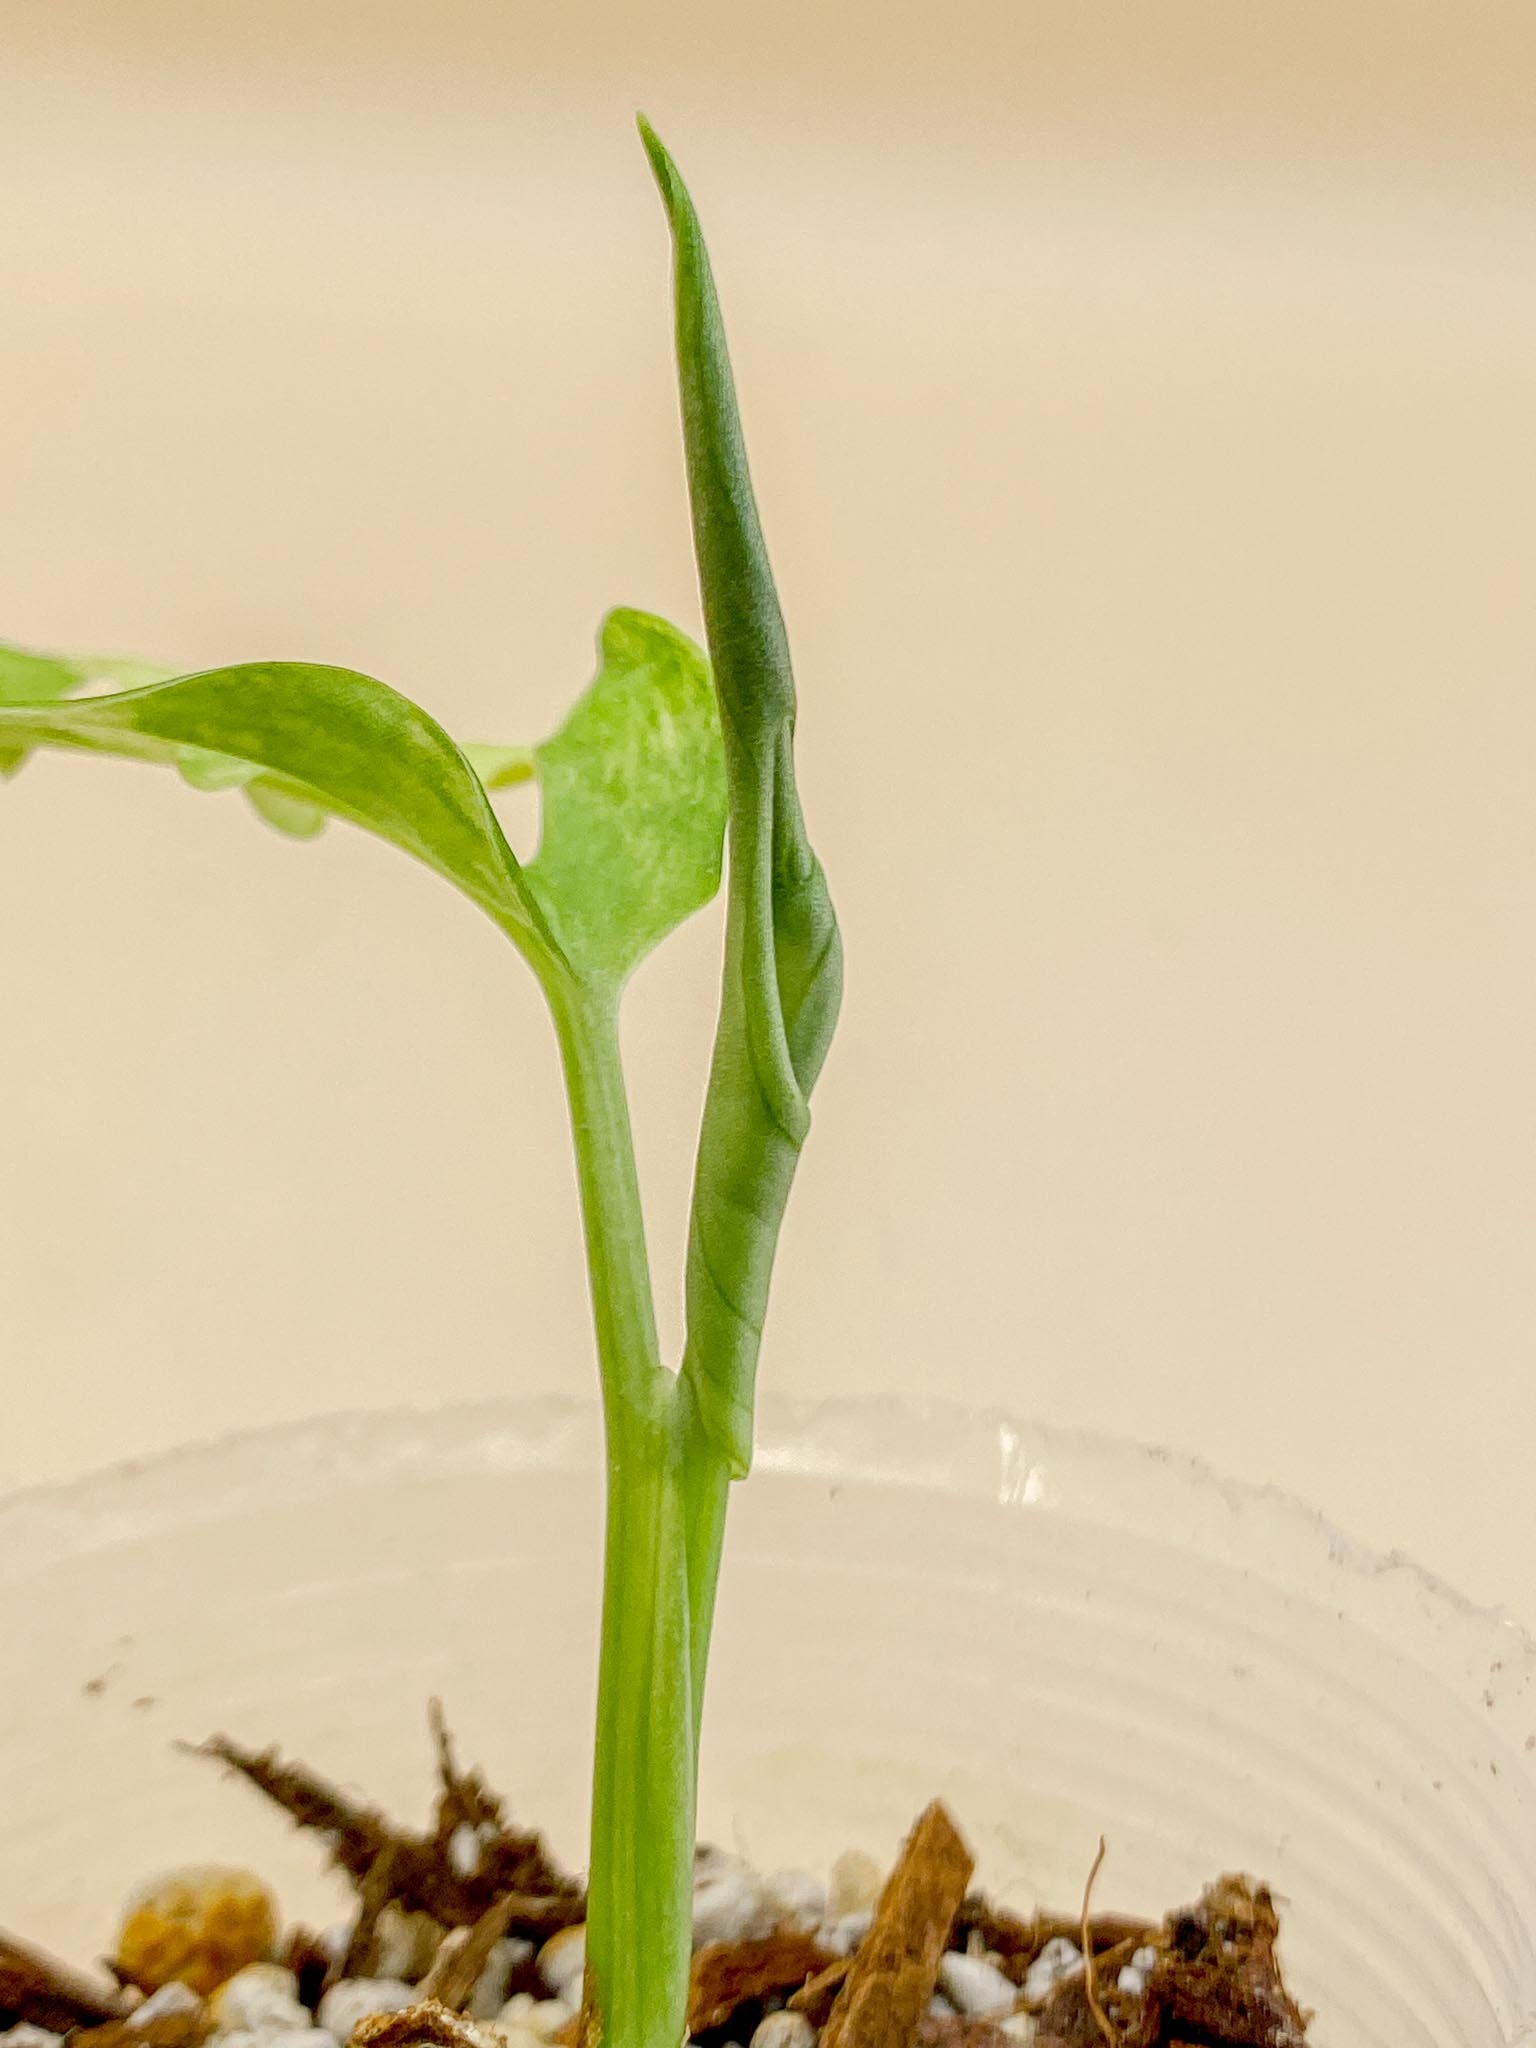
[
  {"x": 640, "y": 1885},
  {"x": 635, "y": 1383},
  {"x": 640, "y": 1903},
  {"x": 705, "y": 1483}
]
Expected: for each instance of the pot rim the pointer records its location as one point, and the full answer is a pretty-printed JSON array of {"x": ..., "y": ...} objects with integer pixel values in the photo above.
[{"x": 1143, "y": 1492}]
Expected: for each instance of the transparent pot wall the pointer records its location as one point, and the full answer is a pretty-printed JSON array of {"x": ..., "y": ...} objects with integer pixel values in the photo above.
[{"x": 1062, "y": 1637}]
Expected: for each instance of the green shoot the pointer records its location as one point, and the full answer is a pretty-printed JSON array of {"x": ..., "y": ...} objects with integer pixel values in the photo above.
[
  {"x": 783, "y": 956},
  {"x": 663, "y": 757}
]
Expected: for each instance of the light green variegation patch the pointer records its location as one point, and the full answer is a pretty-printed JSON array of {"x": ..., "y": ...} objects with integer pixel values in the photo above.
[
  {"x": 632, "y": 796},
  {"x": 501, "y": 767}
]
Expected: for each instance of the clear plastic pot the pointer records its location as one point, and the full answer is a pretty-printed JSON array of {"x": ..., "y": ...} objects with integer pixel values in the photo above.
[{"x": 1062, "y": 1636}]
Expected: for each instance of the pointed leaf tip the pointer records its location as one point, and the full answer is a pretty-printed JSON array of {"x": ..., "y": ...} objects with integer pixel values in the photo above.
[
  {"x": 655, "y": 148},
  {"x": 669, "y": 180}
]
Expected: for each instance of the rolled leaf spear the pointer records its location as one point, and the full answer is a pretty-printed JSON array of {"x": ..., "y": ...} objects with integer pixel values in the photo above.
[{"x": 636, "y": 787}]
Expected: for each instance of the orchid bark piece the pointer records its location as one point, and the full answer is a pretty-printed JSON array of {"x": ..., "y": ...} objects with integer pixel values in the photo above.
[{"x": 895, "y": 1969}]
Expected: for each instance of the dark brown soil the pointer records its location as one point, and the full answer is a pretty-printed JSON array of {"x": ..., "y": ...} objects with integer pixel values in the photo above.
[{"x": 728, "y": 1975}]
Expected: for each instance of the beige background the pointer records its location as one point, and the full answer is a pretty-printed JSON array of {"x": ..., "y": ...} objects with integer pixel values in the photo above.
[{"x": 1142, "y": 399}]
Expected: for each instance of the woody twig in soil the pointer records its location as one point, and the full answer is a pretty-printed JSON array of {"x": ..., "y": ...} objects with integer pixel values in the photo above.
[
  {"x": 374, "y": 1892},
  {"x": 427, "y": 1872},
  {"x": 1102, "y": 2021}
]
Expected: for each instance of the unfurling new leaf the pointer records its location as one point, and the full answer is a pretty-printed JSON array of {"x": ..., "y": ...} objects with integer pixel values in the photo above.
[{"x": 783, "y": 967}]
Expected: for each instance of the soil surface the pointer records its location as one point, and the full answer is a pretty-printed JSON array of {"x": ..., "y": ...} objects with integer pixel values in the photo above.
[{"x": 469, "y": 1935}]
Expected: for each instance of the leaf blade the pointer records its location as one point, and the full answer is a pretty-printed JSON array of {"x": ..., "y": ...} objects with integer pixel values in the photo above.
[{"x": 330, "y": 738}]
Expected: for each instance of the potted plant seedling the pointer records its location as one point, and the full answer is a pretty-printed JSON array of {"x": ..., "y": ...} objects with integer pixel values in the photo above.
[
  {"x": 667, "y": 761},
  {"x": 637, "y": 790}
]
